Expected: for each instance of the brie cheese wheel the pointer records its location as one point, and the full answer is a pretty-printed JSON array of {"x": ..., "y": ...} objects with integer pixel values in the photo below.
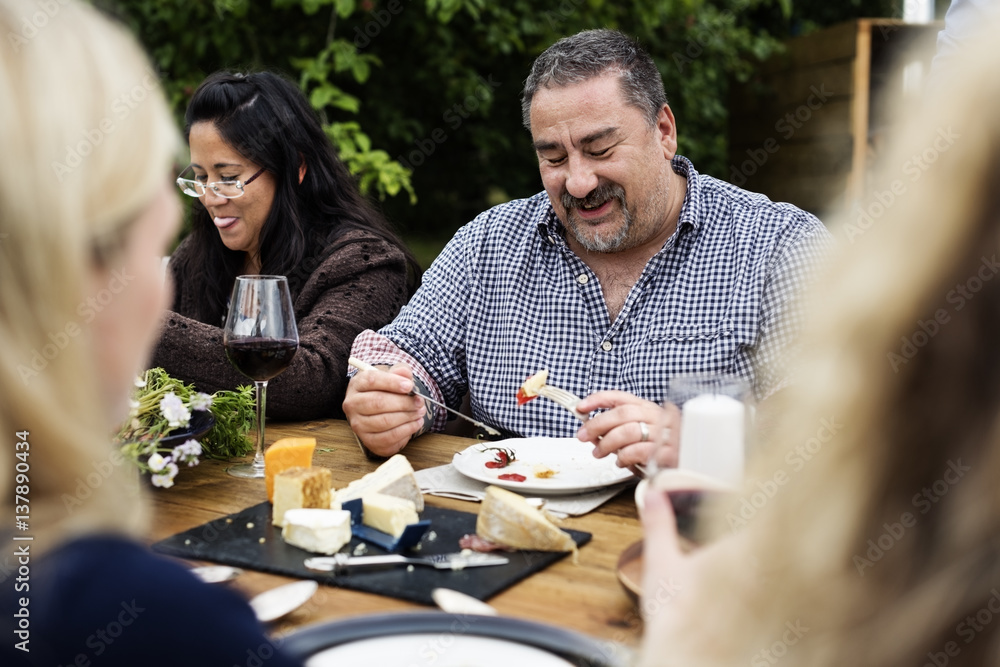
[
  {"x": 300, "y": 487},
  {"x": 393, "y": 478},
  {"x": 388, "y": 513},
  {"x": 321, "y": 531},
  {"x": 506, "y": 518}
]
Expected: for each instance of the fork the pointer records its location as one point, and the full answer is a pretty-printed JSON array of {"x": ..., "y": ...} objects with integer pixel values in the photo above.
[{"x": 563, "y": 398}]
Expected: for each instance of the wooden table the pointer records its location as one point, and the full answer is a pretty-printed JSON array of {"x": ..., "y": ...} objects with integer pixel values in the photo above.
[{"x": 585, "y": 597}]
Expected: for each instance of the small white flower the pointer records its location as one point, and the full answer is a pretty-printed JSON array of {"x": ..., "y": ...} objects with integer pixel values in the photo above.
[
  {"x": 187, "y": 453},
  {"x": 156, "y": 462},
  {"x": 200, "y": 401},
  {"x": 173, "y": 410},
  {"x": 165, "y": 479},
  {"x": 140, "y": 380}
]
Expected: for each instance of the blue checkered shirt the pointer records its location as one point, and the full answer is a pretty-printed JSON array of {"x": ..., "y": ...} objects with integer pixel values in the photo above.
[{"x": 507, "y": 297}]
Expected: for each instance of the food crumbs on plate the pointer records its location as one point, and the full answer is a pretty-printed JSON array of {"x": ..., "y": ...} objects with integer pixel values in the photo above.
[
  {"x": 250, "y": 524},
  {"x": 409, "y": 568},
  {"x": 431, "y": 536},
  {"x": 543, "y": 471},
  {"x": 229, "y": 520},
  {"x": 361, "y": 549},
  {"x": 418, "y": 547},
  {"x": 186, "y": 542},
  {"x": 262, "y": 540}
]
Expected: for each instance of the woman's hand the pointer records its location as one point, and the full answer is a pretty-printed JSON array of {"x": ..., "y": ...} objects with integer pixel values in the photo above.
[
  {"x": 380, "y": 410},
  {"x": 630, "y": 427}
]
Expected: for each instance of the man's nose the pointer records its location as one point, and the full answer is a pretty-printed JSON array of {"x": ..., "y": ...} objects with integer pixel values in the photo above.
[{"x": 581, "y": 179}]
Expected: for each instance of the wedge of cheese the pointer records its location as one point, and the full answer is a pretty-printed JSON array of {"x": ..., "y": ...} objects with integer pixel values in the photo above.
[
  {"x": 300, "y": 487},
  {"x": 388, "y": 513},
  {"x": 284, "y": 454},
  {"x": 506, "y": 518},
  {"x": 393, "y": 478},
  {"x": 321, "y": 531}
]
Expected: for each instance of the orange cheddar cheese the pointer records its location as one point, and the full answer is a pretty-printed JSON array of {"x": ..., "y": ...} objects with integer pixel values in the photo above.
[{"x": 284, "y": 454}]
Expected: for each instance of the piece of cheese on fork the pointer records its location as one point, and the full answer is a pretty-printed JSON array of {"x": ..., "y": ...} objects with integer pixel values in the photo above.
[
  {"x": 393, "y": 478},
  {"x": 506, "y": 518}
]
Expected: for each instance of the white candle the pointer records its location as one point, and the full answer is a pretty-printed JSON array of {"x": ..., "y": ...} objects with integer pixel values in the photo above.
[{"x": 712, "y": 439}]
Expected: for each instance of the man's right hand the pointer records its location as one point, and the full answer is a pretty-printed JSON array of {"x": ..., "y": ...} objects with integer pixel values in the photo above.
[{"x": 380, "y": 410}]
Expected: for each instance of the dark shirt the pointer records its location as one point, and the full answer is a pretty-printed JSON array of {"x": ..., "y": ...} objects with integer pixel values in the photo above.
[{"x": 106, "y": 601}]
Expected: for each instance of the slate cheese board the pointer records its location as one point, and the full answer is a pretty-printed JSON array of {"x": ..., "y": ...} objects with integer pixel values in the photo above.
[{"x": 247, "y": 539}]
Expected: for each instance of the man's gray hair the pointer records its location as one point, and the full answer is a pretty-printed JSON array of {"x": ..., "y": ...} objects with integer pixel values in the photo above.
[{"x": 590, "y": 54}]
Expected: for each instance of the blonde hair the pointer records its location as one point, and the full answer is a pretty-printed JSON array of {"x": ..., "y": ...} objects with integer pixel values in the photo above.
[
  {"x": 872, "y": 522},
  {"x": 87, "y": 141}
]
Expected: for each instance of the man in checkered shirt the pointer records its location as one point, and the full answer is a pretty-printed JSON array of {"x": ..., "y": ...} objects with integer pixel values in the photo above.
[{"x": 630, "y": 269}]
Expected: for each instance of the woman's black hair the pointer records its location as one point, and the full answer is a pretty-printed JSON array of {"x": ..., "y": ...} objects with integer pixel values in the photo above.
[{"x": 268, "y": 120}]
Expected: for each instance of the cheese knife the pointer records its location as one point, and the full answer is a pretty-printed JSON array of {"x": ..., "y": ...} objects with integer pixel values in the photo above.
[{"x": 453, "y": 561}]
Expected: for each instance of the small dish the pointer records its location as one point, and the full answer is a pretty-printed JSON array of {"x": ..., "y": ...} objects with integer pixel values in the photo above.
[
  {"x": 201, "y": 423},
  {"x": 216, "y": 574},
  {"x": 629, "y": 569},
  {"x": 275, "y": 603}
]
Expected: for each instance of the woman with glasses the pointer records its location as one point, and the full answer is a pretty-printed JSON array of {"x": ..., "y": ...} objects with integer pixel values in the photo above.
[{"x": 273, "y": 198}]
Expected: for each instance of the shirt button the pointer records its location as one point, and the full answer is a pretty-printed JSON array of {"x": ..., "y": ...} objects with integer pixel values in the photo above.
[
  {"x": 583, "y": 279},
  {"x": 606, "y": 346}
]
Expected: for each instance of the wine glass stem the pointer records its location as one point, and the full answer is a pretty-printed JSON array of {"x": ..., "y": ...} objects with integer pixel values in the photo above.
[{"x": 258, "y": 459}]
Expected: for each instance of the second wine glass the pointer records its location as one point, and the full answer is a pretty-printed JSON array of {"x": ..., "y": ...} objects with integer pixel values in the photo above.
[{"x": 260, "y": 339}]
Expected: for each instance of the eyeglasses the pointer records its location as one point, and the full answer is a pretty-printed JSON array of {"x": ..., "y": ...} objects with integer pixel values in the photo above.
[{"x": 227, "y": 189}]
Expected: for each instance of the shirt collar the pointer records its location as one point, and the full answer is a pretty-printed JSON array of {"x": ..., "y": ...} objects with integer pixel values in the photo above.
[{"x": 549, "y": 226}]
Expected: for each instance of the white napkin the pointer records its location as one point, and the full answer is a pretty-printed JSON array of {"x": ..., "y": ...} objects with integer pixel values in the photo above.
[{"x": 447, "y": 482}]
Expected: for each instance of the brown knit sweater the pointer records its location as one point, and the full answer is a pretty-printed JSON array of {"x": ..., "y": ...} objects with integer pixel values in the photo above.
[{"x": 360, "y": 286}]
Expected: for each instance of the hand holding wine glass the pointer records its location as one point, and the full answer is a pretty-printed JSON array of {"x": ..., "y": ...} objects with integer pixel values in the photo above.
[{"x": 261, "y": 339}]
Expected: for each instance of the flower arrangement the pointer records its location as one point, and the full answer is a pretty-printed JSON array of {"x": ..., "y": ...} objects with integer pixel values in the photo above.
[{"x": 161, "y": 404}]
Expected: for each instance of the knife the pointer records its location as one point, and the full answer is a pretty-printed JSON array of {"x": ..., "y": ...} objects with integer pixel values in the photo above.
[{"x": 452, "y": 561}]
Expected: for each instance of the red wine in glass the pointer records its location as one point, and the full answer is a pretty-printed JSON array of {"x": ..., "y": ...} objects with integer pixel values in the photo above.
[
  {"x": 260, "y": 339},
  {"x": 261, "y": 358}
]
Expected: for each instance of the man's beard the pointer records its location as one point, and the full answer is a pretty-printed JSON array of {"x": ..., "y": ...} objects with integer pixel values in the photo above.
[{"x": 612, "y": 241}]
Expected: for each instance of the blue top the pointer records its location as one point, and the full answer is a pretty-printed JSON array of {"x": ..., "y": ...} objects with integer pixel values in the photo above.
[
  {"x": 107, "y": 601},
  {"x": 508, "y": 297}
]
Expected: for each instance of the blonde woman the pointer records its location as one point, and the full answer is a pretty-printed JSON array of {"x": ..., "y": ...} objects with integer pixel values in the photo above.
[
  {"x": 879, "y": 541},
  {"x": 87, "y": 207}
]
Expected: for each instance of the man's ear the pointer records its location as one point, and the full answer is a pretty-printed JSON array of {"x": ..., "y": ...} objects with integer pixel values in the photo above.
[{"x": 667, "y": 128}]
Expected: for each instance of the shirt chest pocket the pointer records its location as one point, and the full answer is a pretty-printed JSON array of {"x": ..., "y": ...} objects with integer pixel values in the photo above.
[{"x": 704, "y": 346}]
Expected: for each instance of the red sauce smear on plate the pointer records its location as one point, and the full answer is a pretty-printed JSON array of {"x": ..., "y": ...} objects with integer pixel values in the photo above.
[{"x": 512, "y": 477}]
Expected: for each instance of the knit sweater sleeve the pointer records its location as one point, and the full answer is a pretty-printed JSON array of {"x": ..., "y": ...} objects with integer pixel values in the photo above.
[{"x": 362, "y": 285}]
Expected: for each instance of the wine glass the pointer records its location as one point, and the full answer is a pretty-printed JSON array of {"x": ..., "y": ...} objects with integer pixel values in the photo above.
[
  {"x": 715, "y": 422},
  {"x": 260, "y": 338}
]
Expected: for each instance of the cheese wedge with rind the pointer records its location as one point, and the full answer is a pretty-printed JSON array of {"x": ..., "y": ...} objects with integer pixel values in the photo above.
[
  {"x": 506, "y": 518},
  {"x": 393, "y": 478},
  {"x": 284, "y": 454},
  {"x": 321, "y": 531},
  {"x": 300, "y": 487}
]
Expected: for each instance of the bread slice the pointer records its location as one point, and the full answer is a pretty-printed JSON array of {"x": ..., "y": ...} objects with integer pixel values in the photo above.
[
  {"x": 393, "y": 478},
  {"x": 506, "y": 518}
]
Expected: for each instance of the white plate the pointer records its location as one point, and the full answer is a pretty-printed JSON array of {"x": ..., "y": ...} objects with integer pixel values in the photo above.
[
  {"x": 577, "y": 471},
  {"x": 451, "y": 649},
  {"x": 275, "y": 603}
]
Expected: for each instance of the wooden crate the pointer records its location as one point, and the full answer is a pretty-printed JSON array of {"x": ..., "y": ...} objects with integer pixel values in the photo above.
[{"x": 806, "y": 128}]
